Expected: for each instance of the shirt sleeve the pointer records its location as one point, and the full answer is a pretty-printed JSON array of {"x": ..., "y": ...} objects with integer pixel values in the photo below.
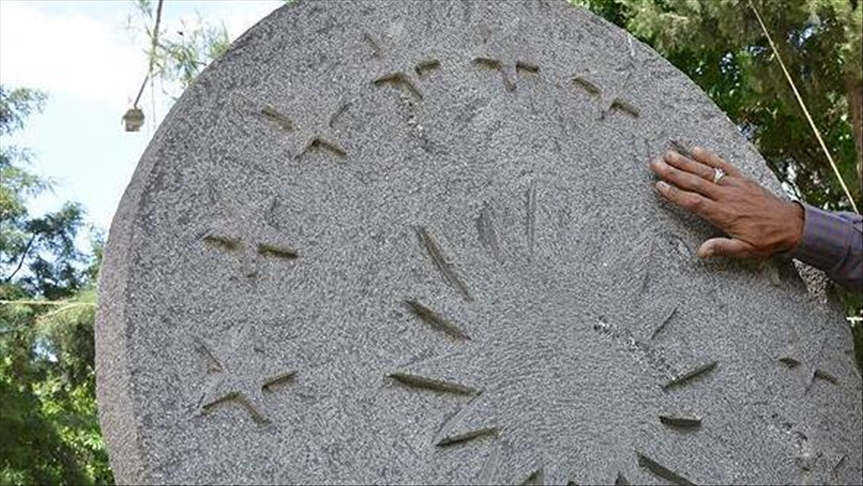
[{"x": 833, "y": 242}]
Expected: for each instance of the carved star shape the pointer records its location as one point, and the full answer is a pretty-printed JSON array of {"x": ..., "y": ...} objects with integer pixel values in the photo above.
[
  {"x": 506, "y": 55},
  {"x": 408, "y": 77},
  {"x": 610, "y": 100},
  {"x": 314, "y": 131},
  {"x": 402, "y": 71},
  {"x": 818, "y": 466},
  {"x": 244, "y": 373},
  {"x": 804, "y": 357},
  {"x": 251, "y": 236}
]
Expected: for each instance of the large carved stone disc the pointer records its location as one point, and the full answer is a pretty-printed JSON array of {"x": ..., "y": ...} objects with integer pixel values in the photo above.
[{"x": 410, "y": 242}]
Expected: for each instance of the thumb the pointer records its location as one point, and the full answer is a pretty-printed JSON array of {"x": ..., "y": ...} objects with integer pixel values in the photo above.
[{"x": 726, "y": 247}]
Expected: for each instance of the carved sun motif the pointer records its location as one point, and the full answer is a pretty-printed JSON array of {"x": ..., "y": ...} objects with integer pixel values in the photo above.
[{"x": 533, "y": 395}]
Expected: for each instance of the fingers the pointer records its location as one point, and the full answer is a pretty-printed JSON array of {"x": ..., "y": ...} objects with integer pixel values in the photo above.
[
  {"x": 692, "y": 201},
  {"x": 726, "y": 247},
  {"x": 709, "y": 158},
  {"x": 688, "y": 181},
  {"x": 686, "y": 164},
  {"x": 683, "y": 179}
]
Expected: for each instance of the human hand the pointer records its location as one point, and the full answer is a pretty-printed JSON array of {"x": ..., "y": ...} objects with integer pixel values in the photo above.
[{"x": 758, "y": 222}]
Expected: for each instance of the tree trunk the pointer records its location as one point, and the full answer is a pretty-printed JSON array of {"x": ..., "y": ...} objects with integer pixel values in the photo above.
[{"x": 854, "y": 87}]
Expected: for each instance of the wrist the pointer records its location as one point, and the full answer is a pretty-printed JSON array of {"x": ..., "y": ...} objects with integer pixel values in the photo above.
[{"x": 795, "y": 222}]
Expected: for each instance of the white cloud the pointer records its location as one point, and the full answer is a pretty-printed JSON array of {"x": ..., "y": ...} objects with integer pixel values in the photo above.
[
  {"x": 91, "y": 58},
  {"x": 240, "y": 16},
  {"x": 74, "y": 54}
]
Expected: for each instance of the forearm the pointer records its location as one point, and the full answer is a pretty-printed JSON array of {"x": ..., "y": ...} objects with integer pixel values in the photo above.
[{"x": 833, "y": 243}]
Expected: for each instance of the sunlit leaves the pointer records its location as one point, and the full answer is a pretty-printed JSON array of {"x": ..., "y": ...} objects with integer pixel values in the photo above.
[
  {"x": 50, "y": 432},
  {"x": 178, "y": 55}
]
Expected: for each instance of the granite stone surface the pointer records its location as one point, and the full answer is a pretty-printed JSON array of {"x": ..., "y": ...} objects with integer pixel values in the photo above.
[{"x": 410, "y": 242}]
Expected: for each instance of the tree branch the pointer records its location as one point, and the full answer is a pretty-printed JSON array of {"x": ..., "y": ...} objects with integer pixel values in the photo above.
[
  {"x": 854, "y": 94},
  {"x": 21, "y": 260},
  {"x": 153, "y": 45},
  {"x": 46, "y": 302}
]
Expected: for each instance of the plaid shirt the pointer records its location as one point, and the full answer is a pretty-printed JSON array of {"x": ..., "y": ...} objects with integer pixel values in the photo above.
[{"x": 833, "y": 242}]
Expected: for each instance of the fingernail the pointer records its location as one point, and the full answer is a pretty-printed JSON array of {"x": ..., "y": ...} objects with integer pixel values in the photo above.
[
  {"x": 661, "y": 186},
  {"x": 707, "y": 252}
]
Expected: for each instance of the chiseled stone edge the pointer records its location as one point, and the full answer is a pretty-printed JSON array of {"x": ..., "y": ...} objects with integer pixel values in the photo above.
[
  {"x": 119, "y": 417},
  {"x": 117, "y": 411}
]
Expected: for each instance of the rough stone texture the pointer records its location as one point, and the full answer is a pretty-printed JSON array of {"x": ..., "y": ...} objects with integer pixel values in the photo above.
[{"x": 409, "y": 242}]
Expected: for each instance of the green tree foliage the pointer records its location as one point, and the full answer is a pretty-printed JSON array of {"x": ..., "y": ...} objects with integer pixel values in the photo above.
[
  {"x": 721, "y": 46},
  {"x": 50, "y": 431},
  {"x": 48, "y": 416},
  {"x": 177, "y": 57}
]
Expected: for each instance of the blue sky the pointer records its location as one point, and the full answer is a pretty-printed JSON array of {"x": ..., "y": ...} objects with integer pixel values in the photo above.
[{"x": 91, "y": 64}]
